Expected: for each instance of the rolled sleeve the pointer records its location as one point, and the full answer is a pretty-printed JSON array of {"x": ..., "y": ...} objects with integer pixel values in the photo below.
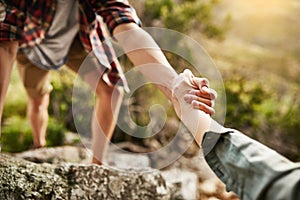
[{"x": 115, "y": 13}]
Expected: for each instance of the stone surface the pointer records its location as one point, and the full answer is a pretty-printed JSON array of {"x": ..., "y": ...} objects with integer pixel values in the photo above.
[
  {"x": 182, "y": 182},
  {"x": 57, "y": 155},
  {"x": 187, "y": 178},
  {"x": 22, "y": 179}
]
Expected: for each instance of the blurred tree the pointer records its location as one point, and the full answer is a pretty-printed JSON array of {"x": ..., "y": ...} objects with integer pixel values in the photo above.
[
  {"x": 185, "y": 16},
  {"x": 243, "y": 98},
  {"x": 263, "y": 114}
]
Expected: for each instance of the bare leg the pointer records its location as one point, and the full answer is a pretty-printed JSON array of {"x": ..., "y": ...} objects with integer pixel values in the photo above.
[
  {"x": 37, "y": 85},
  {"x": 8, "y": 51},
  {"x": 107, "y": 104},
  {"x": 37, "y": 112},
  {"x": 106, "y": 108}
]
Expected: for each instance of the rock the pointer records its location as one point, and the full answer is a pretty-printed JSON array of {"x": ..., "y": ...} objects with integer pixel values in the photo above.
[
  {"x": 127, "y": 160},
  {"x": 187, "y": 178},
  {"x": 208, "y": 185},
  {"x": 117, "y": 157},
  {"x": 183, "y": 183},
  {"x": 22, "y": 179},
  {"x": 57, "y": 155}
]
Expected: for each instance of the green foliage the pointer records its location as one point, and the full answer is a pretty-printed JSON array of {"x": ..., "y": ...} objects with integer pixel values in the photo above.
[
  {"x": 62, "y": 99},
  {"x": 186, "y": 16},
  {"x": 243, "y": 99},
  {"x": 16, "y": 135},
  {"x": 285, "y": 120},
  {"x": 263, "y": 114},
  {"x": 55, "y": 133}
]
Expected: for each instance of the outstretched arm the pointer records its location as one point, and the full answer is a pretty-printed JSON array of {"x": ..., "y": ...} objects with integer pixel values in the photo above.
[{"x": 145, "y": 54}]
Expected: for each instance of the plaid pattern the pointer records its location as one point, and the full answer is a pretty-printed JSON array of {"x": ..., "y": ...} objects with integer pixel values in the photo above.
[
  {"x": 29, "y": 25},
  {"x": 25, "y": 23},
  {"x": 115, "y": 12},
  {"x": 93, "y": 33}
]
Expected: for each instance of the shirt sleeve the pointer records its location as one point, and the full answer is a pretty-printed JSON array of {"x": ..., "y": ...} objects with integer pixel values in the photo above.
[
  {"x": 10, "y": 22},
  {"x": 250, "y": 169},
  {"x": 116, "y": 12}
]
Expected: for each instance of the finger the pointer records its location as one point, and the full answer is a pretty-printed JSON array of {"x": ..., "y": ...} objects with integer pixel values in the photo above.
[
  {"x": 189, "y": 98},
  {"x": 200, "y": 82},
  {"x": 205, "y": 89},
  {"x": 209, "y": 94},
  {"x": 212, "y": 93},
  {"x": 187, "y": 71},
  {"x": 203, "y": 86},
  {"x": 199, "y": 93},
  {"x": 201, "y": 106}
]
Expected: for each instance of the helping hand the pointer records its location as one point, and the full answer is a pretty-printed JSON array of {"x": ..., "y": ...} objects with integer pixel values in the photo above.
[
  {"x": 202, "y": 97},
  {"x": 195, "y": 91}
]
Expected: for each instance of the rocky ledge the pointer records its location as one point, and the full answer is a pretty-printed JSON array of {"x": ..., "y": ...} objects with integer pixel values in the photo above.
[
  {"x": 21, "y": 179},
  {"x": 65, "y": 173}
]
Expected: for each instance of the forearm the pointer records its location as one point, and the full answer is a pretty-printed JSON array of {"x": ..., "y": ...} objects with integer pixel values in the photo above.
[
  {"x": 145, "y": 54},
  {"x": 151, "y": 62}
]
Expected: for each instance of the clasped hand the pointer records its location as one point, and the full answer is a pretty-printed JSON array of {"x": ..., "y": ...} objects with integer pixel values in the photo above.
[{"x": 195, "y": 91}]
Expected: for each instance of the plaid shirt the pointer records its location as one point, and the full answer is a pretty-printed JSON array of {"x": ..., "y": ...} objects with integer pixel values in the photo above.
[{"x": 28, "y": 22}]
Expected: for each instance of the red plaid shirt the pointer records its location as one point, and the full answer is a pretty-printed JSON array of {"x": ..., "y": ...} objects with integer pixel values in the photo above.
[{"x": 29, "y": 20}]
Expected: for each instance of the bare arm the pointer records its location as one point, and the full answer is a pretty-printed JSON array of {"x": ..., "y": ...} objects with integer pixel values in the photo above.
[
  {"x": 145, "y": 54},
  {"x": 142, "y": 50}
]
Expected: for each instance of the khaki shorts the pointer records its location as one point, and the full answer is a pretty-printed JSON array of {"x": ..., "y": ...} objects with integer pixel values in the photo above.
[{"x": 37, "y": 81}]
